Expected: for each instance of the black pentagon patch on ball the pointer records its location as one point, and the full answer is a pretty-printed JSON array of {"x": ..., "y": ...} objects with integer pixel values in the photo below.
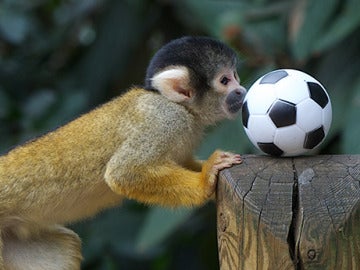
[
  {"x": 283, "y": 113},
  {"x": 318, "y": 94},
  {"x": 274, "y": 77},
  {"x": 314, "y": 137},
  {"x": 270, "y": 148},
  {"x": 245, "y": 114}
]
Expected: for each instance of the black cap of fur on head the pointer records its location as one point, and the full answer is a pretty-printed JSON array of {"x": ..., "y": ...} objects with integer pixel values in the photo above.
[{"x": 202, "y": 55}]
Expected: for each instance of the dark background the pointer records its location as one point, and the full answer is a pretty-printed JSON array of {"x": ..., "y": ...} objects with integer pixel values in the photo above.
[{"x": 59, "y": 59}]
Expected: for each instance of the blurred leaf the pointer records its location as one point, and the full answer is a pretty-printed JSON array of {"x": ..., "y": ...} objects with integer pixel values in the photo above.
[
  {"x": 266, "y": 37},
  {"x": 351, "y": 143},
  {"x": 108, "y": 263},
  {"x": 115, "y": 229},
  {"x": 5, "y": 111},
  {"x": 68, "y": 12},
  {"x": 14, "y": 26},
  {"x": 158, "y": 225},
  {"x": 112, "y": 51},
  {"x": 307, "y": 22},
  {"x": 39, "y": 103},
  {"x": 4, "y": 103},
  {"x": 346, "y": 22},
  {"x": 213, "y": 15},
  {"x": 70, "y": 104},
  {"x": 337, "y": 71},
  {"x": 35, "y": 111}
]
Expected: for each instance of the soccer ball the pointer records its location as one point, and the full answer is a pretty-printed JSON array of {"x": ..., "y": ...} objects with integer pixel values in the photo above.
[{"x": 286, "y": 113}]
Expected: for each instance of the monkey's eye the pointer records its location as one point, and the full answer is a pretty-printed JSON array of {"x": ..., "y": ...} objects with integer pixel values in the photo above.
[{"x": 224, "y": 80}]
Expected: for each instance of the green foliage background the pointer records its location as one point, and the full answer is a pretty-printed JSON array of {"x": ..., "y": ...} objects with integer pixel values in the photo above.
[{"x": 59, "y": 59}]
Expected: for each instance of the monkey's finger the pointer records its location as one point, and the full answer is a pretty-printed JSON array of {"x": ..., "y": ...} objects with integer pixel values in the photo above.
[
  {"x": 225, "y": 164},
  {"x": 234, "y": 159},
  {"x": 230, "y": 155}
]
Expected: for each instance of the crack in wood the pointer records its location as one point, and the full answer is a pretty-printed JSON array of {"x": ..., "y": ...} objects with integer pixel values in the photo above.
[
  {"x": 292, "y": 238},
  {"x": 258, "y": 243}
]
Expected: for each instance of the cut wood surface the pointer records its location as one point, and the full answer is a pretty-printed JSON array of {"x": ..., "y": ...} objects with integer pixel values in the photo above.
[{"x": 290, "y": 213}]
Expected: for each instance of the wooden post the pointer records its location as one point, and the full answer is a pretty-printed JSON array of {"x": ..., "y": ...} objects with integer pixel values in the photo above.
[{"x": 290, "y": 213}]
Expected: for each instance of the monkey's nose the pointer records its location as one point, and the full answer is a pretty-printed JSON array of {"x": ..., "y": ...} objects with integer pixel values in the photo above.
[{"x": 235, "y": 98}]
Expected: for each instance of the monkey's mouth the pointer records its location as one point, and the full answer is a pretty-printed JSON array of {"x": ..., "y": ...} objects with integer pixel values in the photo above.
[
  {"x": 234, "y": 100},
  {"x": 234, "y": 107}
]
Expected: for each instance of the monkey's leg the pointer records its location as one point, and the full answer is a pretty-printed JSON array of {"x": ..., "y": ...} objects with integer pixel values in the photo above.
[
  {"x": 54, "y": 249},
  {"x": 169, "y": 184}
]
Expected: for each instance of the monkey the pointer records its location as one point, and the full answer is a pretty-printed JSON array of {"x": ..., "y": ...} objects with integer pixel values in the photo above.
[{"x": 139, "y": 146}]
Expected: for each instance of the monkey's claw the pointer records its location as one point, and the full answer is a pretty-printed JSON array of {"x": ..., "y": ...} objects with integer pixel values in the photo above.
[{"x": 218, "y": 161}]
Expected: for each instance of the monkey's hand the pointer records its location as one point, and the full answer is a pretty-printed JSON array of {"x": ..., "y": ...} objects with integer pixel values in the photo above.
[{"x": 217, "y": 161}]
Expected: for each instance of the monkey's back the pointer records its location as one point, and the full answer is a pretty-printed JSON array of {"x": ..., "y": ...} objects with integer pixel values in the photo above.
[{"x": 56, "y": 175}]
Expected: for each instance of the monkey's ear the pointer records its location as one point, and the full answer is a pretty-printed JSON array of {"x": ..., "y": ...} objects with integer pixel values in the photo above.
[{"x": 174, "y": 83}]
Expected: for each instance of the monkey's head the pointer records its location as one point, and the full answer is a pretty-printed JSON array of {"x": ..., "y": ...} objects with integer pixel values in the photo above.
[{"x": 199, "y": 73}]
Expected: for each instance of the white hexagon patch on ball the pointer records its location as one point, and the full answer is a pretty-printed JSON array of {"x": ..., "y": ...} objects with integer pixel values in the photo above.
[{"x": 286, "y": 113}]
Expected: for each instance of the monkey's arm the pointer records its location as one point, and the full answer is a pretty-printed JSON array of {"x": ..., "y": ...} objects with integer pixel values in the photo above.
[
  {"x": 169, "y": 184},
  {"x": 194, "y": 165}
]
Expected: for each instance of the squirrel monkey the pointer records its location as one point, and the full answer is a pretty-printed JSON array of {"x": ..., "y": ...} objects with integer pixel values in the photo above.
[{"x": 139, "y": 146}]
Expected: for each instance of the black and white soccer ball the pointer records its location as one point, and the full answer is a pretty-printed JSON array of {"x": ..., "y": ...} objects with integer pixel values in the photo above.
[{"x": 286, "y": 113}]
